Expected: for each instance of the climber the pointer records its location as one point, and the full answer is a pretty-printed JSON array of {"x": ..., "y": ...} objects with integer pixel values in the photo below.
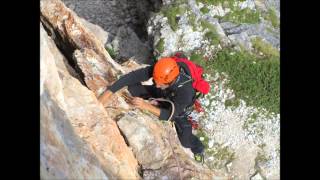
[{"x": 171, "y": 80}]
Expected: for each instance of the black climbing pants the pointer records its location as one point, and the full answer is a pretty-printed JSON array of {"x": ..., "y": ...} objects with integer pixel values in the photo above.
[
  {"x": 183, "y": 127},
  {"x": 187, "y": 139}
]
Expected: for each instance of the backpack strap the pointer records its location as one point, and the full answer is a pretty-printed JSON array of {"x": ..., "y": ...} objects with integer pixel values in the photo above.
[{"x": 185, "y": 75}]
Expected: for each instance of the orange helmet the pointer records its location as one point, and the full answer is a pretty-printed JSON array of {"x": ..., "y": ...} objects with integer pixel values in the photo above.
[{"x": 165, "y": 70}]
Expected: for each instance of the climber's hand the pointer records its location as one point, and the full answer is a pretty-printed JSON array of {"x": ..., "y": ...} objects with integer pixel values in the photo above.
[
  {"x": 138, "y": 102},
  {"x": 144, "y": 105},
  {"x": 154, "y": 102}
]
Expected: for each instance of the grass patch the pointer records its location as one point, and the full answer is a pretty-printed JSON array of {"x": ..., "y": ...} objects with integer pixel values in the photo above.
[
  {"x": 211, "y": 35},
  {"x": 197, "y": 57},
  {"x": 250, "y": 121},
  {"x": 205, "y": 141},
  {"x": 265, "y": 48},
  {"x": 204, "y": 10},
  {"x": 255, "y": 80},
  {"x": 221, "y": 155},
  {"x": 172, "y": 12},
  {"x": 192, "y": 21},
  {"x": 240, "y": 16},
  {"x": 160, "y": 45},
  {"x": 236, "y": 15},
  {"x": 272, "y": 17},
  {"x": 111, "y": 52},
  {"x": 215, "y": 2},
  {"x": 272, "y": 31},
  {"x": 234, "y": 102}
]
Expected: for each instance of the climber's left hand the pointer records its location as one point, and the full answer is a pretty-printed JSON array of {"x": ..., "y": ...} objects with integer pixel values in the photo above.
[{"x": 139, "y": 103}]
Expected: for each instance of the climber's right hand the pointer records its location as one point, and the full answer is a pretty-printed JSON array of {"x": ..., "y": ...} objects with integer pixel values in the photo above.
[
  {"x": 105, "y": 96},
  {"x": 154, "y": 102}
]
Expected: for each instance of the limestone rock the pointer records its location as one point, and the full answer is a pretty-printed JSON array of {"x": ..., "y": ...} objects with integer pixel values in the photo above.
[
  {"x": 130, "y": 15},
  {"x": 78, "y": 138},
  {"x": 157, "y": 148},
  {"x": 97, "y": 74},
  {"x": 68, "y": 28},
  {"x": 96, "y": 30},
  {"x": 127, "y": 44}
]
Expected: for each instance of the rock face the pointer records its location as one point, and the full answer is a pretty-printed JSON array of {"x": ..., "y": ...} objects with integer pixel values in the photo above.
[
  {"x": 191, "y": 32},
  {"x": 128, "y": 46},
  {"x": 68, "y": 29},
  {"x": 124, "y": 21},
  {"x": 158, "y": 149},
  {"x": 78, "y": 139}
]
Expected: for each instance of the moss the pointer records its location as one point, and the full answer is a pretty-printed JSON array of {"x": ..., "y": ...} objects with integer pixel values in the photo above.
[{"x": 160, "y": 45}]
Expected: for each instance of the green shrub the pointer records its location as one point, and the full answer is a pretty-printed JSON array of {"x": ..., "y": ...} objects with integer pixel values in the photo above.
[
  {"x": 111, "y": 52},
  {"x": 255, "y": 80}
]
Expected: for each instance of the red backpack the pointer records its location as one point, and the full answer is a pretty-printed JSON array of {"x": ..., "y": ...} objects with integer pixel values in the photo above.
[{"x": 199, "y": 84}]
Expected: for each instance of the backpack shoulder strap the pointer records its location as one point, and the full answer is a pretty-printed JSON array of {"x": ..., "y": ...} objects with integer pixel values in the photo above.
[{"x": 183, "y": 73}]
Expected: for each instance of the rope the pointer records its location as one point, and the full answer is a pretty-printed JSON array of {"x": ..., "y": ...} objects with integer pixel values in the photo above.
[
  {"x": 166, "y": 100},
  {"x": 170, "y": 135}
]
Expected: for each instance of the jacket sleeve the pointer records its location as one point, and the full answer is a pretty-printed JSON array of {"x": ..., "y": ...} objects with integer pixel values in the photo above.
[
  {"x": 183, "y": 98},
  {"x": 131, "y": 78}
]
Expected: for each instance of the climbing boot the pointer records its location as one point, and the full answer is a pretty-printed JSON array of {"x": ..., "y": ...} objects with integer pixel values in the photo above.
[{"x": 199, "y": 157}]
